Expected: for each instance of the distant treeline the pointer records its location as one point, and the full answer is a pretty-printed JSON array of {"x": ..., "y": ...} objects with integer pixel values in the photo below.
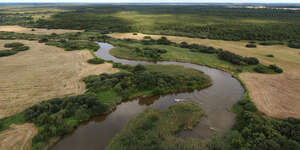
[{"x": 219, "y": 22}]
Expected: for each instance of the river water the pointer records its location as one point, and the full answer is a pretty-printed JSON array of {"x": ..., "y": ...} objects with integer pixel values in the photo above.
[{"x": 215, "y": 100}]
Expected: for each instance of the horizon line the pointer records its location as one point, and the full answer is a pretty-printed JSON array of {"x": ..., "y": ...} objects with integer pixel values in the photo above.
[{"x": 152, "y": 2}]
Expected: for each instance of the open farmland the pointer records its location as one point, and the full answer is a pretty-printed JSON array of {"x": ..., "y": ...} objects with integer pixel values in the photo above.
[
  {"x": 20, "y": 29},
  {"x": 18, "y": 137},
  {"x": 41, "y": 73}
]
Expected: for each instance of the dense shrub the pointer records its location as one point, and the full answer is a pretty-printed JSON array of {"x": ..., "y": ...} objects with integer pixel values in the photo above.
[
  {"x": 121, "y": 66},
  {"x": 59, "y": 116},
  {"x": 267, "y": 43},
  {"x": 13, "y": 45},
  {"x": 7, "y": 52},
  {"x": 147, "y": 37},
  {"x": 276, "y": 68},
  {"x": 22, "y": 48},
  {"x": 251, "y": 45},
  {"x": 43, "y": 40},
  {"x": 199, "y": 48},
  {"x": 160, "y": 41},
  {"x": 15, "y": 48},
  {"x": 153, "y": 53},
  {"x": 262, "y": 69},
  {"x": 251, "y": 60},
  {"x": 139, "y": 79},
  {"x": 294, "y": 44},
  {"x": 148, "y": 42},
  {"x": 269, "y": 69},
  {"x": 270, "y": 55},
  {"x": 237, "y": 59},
  {"x": 163, "y": 41},
  {"x": 96, "y": 61}
]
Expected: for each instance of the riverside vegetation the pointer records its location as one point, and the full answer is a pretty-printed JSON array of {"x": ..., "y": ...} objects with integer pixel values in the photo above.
[
  {"x": 252, "y": 129},
  {"x": 163, "y": 49},
  {"x": 59, "y": 116}
]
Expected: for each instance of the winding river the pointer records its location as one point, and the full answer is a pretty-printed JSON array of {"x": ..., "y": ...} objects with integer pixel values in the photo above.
[{"x": 216, "y": 101}]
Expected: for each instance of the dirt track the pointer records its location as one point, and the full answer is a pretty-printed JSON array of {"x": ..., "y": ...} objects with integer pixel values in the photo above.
[
  {"x": 20, "y": 29},
  {"x": 274, "y": 95},
  {"x": 41, "y": 73}
]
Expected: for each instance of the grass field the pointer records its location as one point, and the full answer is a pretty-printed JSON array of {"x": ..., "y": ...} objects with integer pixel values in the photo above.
[
  {"x": 20, "y": 29},
  {"x": 176, "y": 54},
  {"x": 41, "y": 73},
  {"x": 18, "y": 137},
  {"x": 275, "y": 95}
]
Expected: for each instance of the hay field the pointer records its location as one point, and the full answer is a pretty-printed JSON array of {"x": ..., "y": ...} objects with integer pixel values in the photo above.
[
  {"x": 18, "y": 137},
  {"x": 41, "y": 73},
  {"x": 275, "y": 95},
  {"x": 20, "y": 29}
]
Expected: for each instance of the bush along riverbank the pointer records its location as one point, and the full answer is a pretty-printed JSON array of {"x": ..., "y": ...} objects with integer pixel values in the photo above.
[
  {"x": 59, "y": 116},
  {"x": 155, "y": 50}
]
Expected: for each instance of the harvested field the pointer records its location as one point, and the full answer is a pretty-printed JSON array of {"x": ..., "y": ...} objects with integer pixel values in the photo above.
[
  {"x": 41, "y": 73},
  {"x": 275, "y": 95},
  {"x": 20, "y": 29},
  {"x": 18, "y": 137}
]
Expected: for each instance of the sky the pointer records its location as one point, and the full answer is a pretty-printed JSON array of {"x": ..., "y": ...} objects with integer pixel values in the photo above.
[{"x": 153, "y": 1}]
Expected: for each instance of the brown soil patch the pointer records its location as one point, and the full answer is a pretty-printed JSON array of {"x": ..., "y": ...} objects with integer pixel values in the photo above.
[
  {"x": 275, "y": 95},
  {"x": 20, "y": 29},
  {"x": 18, "y": 137},
  {"x": 41, "y": 73}
]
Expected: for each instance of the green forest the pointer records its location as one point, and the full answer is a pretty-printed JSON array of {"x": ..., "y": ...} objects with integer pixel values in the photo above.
[{"x": 211, "y": 22}]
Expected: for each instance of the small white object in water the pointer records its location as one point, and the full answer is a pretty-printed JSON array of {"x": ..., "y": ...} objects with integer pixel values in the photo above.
[
  {"x": 178, "y": 100},
  {"x": 211, "y": 128}
]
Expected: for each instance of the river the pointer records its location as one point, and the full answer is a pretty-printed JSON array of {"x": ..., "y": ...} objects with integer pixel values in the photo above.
[{"x": 215, "y": 100}]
